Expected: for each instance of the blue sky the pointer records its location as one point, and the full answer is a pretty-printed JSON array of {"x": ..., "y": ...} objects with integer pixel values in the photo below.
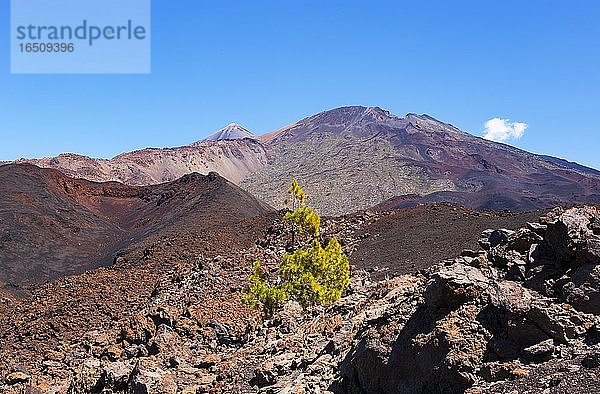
[{"x": 265, "y": 64}]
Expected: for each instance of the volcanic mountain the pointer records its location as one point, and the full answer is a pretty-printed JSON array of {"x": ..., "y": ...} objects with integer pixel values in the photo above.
[
  {"x": 353, "y": 158},
  {"x": 232, "y": 131},
  {"x": 52, "y": 225}
]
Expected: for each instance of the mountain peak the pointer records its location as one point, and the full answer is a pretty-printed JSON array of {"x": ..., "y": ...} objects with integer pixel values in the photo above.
[
  {"x": 350, "y": 115},
  {"x": 232, "y": 131},
  {"x": 357, "y": 111},
  {"x": 358, "y": 120}
]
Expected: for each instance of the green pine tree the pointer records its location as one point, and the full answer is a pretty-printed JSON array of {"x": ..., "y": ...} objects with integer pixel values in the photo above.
[{"x": 312, "y": 276}]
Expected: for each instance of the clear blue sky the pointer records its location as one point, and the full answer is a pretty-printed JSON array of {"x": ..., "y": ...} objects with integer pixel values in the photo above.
[{"x": 265, "y": 64}]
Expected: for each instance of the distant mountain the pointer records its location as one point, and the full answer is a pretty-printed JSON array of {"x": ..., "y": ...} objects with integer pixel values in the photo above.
[
  {"x": 356, "y": 157},
  {"x": 52, "y": 225},
  {"x": 353, "y": 158},
  {"x": 232, "y": 159},
  {"x": 232, "y": 131}
]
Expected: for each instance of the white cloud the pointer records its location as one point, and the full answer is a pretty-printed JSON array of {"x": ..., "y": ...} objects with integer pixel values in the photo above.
[{"x": 502, "y": 130}]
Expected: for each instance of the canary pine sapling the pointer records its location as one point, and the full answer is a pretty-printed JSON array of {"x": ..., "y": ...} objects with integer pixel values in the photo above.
[{"x": 312, "y": 275}]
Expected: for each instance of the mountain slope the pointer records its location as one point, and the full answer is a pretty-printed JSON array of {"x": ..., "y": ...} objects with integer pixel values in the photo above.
[
  {"x": 353, "y": 158},
  {"x": 52, "y": 225}
]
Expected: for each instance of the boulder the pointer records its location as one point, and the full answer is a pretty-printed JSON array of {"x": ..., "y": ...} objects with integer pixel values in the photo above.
[
  {"x": 538, "y": 228},
  {"x": 583, "y": 292},
  {"x": 499, "y": 237},
  {"x": 515, "y": 265},
  {"x": 165, "y": 342},
  {"x": 88, "y": 377},
  {"x": 560, "y": 323},
  {"x": 539, "y": 352},
  {"x": 117, "y": 375},
  {"x": 571, "y": 236},
  {"x": 437, "y": 350},
  {"x": 541, "y": 277},
  {"x": 147, "y": 378},
  {"x": 138, "y": 330},
  {"x": 454, "y": 285},
  {"x": 521, "y": 240},
  {"x": 499, "y": 370},
  {"x": 509, "y": 297},
  {"x": 484, "y": 239}
]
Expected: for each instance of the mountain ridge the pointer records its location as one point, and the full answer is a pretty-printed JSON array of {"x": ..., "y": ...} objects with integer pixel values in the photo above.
[
  {"x": 52, "y": 225},
  {"x": 381, "y": 154}
]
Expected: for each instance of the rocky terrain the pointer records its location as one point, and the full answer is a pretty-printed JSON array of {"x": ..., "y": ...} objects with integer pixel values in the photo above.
[
  {"x": 353, "y": 158},
  {"x": 519, "y": 315},
  {"x": 408, "y": 240},
  {"x": 518, "y": 311}
]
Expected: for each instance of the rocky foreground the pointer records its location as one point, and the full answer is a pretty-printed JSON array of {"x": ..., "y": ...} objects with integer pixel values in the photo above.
[{"x": 521, "y": 315}]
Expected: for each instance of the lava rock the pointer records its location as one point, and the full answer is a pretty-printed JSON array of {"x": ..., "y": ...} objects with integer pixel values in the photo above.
[
  {"x": 499, "y": 237},
  {"x": 454, "y": 285},
  {"x": 138, "y": 330},
  {"x": 540, "y": 352}
]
